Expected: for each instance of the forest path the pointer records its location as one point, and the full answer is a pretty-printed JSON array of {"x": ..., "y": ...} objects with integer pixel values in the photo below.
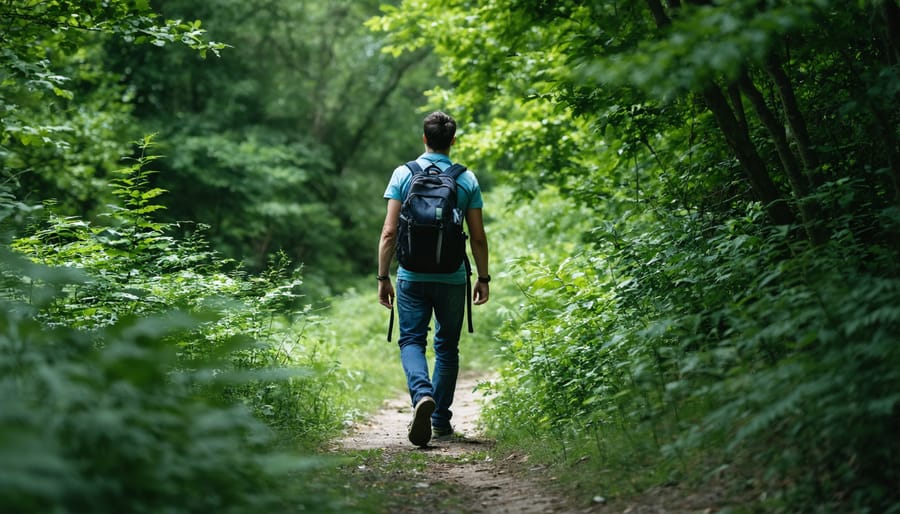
[{"x": 450, "y": 477}]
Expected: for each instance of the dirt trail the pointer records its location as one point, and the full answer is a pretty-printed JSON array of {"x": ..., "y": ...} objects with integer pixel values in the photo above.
[{"x": 458, "y": 474}]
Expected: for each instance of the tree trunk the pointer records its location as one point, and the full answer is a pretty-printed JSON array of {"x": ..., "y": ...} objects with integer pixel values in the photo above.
[
  {"x": 779, "y": 138},
  {"x": 737, "y": 104},
  {"x": 891, "y": 13},
  {"x": 659, "y": 13},
  {"x": 809, "y": 208},
  {"x": 794, "y": 118},
  {"x": 754, "y": 167},
  {"x": 738, "y": 140}
]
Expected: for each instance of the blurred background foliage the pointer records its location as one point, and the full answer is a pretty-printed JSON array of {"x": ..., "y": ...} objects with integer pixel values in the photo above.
[
  {"x": 277, "y": 144},
  {"x": 692, "y": 206}
]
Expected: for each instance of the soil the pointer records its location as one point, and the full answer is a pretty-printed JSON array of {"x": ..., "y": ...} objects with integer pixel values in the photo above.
[
  {"x": 463, "y": 475},
  {"x": 459, "y": 475}
]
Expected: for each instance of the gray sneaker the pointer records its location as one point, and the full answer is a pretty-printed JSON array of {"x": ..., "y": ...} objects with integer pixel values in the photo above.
[{"x": 420, "y": 428}]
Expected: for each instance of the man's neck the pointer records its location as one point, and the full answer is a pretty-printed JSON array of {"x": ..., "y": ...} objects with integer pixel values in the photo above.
[{"x": 432, "y": 150}]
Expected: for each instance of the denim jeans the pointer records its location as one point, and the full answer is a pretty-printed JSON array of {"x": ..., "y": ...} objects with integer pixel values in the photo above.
[{"x": 416, "y": 301}]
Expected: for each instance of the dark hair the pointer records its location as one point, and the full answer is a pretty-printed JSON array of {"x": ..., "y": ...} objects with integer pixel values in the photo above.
[{"x": 439, "y": 131}]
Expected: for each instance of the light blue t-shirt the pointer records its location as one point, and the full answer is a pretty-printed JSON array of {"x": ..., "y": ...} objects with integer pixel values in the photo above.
[{"x": 468, "y": 196}]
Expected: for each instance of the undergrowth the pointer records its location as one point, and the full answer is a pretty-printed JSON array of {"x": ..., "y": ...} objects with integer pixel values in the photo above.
[
  {"x": 667, "y": 356},
  {"x": 143, "y": 373}
]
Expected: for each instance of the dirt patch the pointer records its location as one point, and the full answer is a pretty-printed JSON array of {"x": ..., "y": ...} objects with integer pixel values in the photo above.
[{"x": 458, "y": 474}]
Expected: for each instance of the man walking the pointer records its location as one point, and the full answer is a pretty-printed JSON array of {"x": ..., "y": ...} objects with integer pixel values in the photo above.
[{"x": 419, "y": 295}]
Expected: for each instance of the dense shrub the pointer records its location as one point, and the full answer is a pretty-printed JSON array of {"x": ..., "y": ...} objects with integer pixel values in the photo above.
[
  {"x": 141, "y": 374},
  {"x": 661, "y": 343},
  {"x": 88, "y": 427}
]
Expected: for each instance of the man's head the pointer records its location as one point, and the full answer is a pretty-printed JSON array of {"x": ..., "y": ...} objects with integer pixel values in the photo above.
[{"x": 440, "y": 132}]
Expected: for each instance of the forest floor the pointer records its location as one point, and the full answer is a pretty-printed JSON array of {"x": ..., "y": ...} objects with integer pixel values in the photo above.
[{"x": 463, "y": 475}]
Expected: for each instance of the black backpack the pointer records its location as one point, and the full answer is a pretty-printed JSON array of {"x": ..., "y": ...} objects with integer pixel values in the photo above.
[{"x": 430, "y": 238}]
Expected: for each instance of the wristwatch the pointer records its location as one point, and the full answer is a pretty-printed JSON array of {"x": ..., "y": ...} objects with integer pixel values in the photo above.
[
  {"x": 485, "y": 279},
  {"x": 381, "y": 277}
]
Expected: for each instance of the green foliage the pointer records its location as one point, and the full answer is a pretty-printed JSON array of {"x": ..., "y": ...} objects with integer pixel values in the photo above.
[
  {"x": 661, "y": 343},
  {"x": 111, "y": 429},
  {"x": 65, "y": 117},
  {"x": 142, "y": 374},
  {"x": 286, "y": 142},
  {"x": 111, "y": 420},
  {"x": 136, "y": 266}
]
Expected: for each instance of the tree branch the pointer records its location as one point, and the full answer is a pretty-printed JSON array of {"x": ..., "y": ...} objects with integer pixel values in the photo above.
[
  {"x": 753, "y": 165},
  {"x": 794, "y": 117},
  {"x": 347, "y": 152}
]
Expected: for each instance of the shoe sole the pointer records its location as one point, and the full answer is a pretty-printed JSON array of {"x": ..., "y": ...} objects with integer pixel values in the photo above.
[{"x": 420, "y": 429}]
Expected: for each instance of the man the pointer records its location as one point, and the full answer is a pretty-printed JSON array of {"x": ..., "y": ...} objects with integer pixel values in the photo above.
[{"x": 419, "y": 295}]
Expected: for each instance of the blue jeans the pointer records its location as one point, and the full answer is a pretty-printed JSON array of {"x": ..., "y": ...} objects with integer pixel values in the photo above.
[{"x": 416, "y": 301}]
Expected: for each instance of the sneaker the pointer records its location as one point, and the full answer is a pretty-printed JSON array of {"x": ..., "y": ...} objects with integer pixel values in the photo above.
[
  {"x": 420, "y": 428},
  {"x": 438, "y": 431},
  {"x": 443, "y": 434}
]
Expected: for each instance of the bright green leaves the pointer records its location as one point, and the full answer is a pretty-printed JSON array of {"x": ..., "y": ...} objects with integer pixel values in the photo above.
[
  {"x": 64, "y": 119},
  {"x": 187, "y": 33},
  {"x": 133, "y": 187}
]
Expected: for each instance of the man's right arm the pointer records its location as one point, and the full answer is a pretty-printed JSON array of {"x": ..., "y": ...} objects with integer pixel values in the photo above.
[{"x": 386, "y": 247}]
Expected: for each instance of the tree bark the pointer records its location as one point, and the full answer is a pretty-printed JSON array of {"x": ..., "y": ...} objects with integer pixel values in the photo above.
[
  {"x": 754, "y": 167},
  {"x": 659, "y": 13},
  {"x": 776, "y": 130},
  {"x": 795, "y": 118},
  {"x": 734, "y": 93},
  {"x": 809, "y": 208},
  {"x": 891, "y": 13}
]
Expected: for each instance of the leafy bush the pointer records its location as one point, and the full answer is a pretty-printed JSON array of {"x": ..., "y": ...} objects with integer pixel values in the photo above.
[
  {"x": 140, "y": 374},
  {"x": 661, "y": 346},
  {"x": 111, "y": 428}
]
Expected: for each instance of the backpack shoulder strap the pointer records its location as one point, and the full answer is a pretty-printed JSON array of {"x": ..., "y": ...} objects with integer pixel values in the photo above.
[
  {"x": 455, "y": 170},
  {"x": 414, "y": 167}
]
